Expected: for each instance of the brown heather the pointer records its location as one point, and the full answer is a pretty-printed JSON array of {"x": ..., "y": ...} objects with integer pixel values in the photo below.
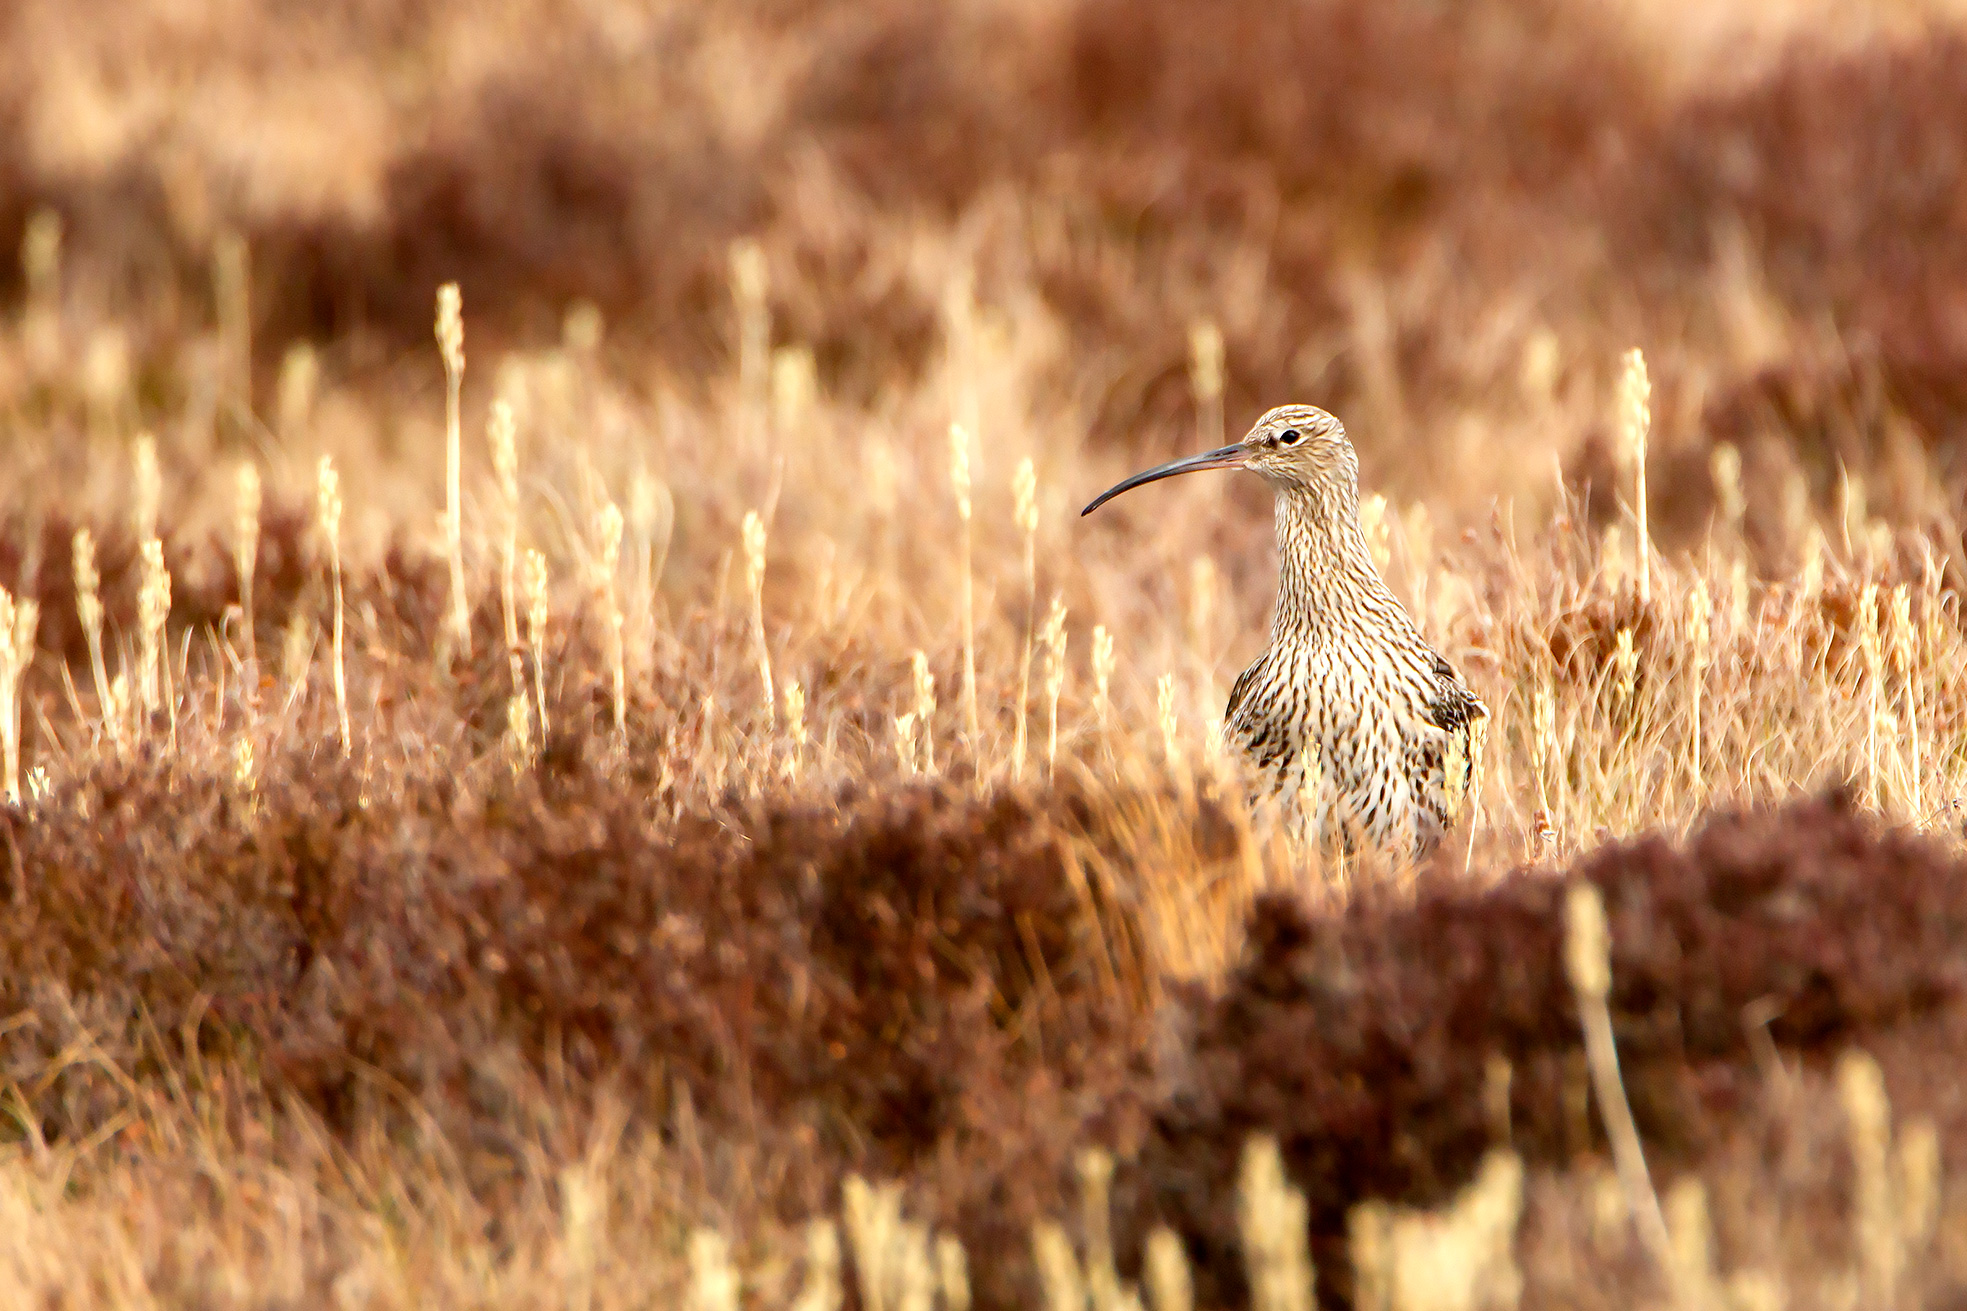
[{"x": 685, "y": 987}]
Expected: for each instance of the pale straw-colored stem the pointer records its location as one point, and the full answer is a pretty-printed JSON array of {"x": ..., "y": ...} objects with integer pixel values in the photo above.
[
  {"x": 1588, "y": 962},
  {"x": 450, "y": 341},
  {"x": 959, "y": 479},
  {"x": 328, "y": 507}
]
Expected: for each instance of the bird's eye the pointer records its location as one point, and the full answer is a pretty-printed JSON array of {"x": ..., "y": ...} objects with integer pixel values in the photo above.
[{"x": 1289, "y": 437}]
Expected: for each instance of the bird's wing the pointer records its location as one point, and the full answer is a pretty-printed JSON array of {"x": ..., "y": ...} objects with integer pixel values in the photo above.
[{"x": 1240, "y": 690}]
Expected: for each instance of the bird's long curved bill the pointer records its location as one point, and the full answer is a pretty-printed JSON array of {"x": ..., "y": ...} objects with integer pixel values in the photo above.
[{"x": 1223, "y": 457}]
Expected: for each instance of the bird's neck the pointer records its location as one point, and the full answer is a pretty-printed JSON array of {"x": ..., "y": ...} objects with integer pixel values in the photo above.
[{"x": 1326, "y": 576}]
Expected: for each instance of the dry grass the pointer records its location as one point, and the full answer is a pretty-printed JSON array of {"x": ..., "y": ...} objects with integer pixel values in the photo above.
[{"x": 755, "y": 786}]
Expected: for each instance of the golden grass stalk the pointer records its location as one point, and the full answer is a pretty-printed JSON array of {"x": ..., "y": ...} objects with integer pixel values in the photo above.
[
  {"x": 1699, "y": 609},
  {"x": 88, "y": 609},
  {"x": 153, "y": 608},
  {"x": 245, "y": 558},
  {"x": 1738, "y": 595},
  {"x": 1635, "y": 423},
  {"x": 328, "y": 508},
  {"x": 147, "y": 487},
  {"x": 1164, "y": 705},
  {"x": 872, "y": 1215},
  {"x": 40, "y": 259},
  {"x": 1205, "y": 377},
  {"x": 924, "y": 713},
  {"x": 905, "y": 752},
  {"x": 519, "y": 730},
  {"x": 1625, "y": 669},
  {"x": 232, "y": 294},
  {"x": 1916, "y": 1173},
  {"x": 1024, "y": 500},
  {"x": 501, "y": 434},
  {"x": 1058, "y": 1269},
  {"x": 608, "y": 530},
  {"x": 795, "y": 388},
  {"x": 1871, "y": 651},
  {"x": 1164, "y": 1269},
  {"x": 754, "y": 582},
  {"x": 1725, "y": 467},
  {"x": 581, "y": 1207},
  {"x": 296, "y": 650},
  {"x": 1810, "y": 576},
  {"x": 1458, "y": 1257},
  {"x": 713, "y": 1284},
  {"x": 106, "y": 389},
  {"x": 1588, "y": 963},
  {"x": 537, "y": 614},
  {"x": 450, "y": 343},
  {"x": 245, "y": 770},
  {"x": 1543, "y": 739},
  {"x": 820, "y": 1290},
  {"x": 1874, "y": 1223},
  {"x": 952, "y": 1273},
  {"x": 1096, "y": 1220},
  {"x": 18, "y": 621},
  {"x": 1690, "y": 1237},
  {"x": 1900, "y": 645},
  {"x": 582, "y": 328},
  {"x": 914, "y": 1274},
  {"x": 1272, "y": 1220},
  {"x": 293, "y": 396},
  {"x": 1054, "y": 639},
  {"x": 959, "y": 484},
  {"x": 795, "y": 723}
]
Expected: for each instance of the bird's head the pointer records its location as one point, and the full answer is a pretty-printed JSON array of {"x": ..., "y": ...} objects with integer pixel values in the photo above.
[{"x": 1293, "y": 447}]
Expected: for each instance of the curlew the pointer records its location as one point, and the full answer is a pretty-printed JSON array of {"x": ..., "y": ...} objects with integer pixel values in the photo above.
[{"x": 1348, "y": 708}]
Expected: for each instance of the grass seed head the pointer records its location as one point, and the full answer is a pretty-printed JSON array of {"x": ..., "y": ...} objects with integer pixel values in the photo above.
[
  {"x": 820, "y": 1290},
  {"x": 40, "y": 255},
  {"x": 1587, "y": 941},
  {"x": 1052, "y": 637},
  {"x": 299, "y": 379},
  {"x": 501, "y": 434},
  {"x": 713, "y": 1284},
  {"x": 1205, "y": 359},
  {"x": 450, "y": 327},
  {"x": 88, "y": 599},
  {"x": 1024, "y": 497},
  {"x": 246, "y": 519},
  {"x": 327, "y": 501},
  {"x": 1058, "y": 1268},
  {"x": 1165, "y": 1272},
  {"x": 753, "y": 534},
  {"x": 1725, "y": 468},
  {"x": 1625, "y": 668},
  {"x": 952, "y": 1273}
]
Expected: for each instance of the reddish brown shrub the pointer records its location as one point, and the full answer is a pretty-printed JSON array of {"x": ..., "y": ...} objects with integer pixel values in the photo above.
[
  {"x": 902, "y": 983},
  {"x": 1361, "y": 1040}
]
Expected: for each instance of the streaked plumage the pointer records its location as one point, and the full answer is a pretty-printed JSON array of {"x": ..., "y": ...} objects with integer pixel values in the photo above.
[{"x": 1348, "y": 690}]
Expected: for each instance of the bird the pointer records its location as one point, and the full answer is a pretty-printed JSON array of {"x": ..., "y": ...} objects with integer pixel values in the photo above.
[{"x": 1349, "y": 718}]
